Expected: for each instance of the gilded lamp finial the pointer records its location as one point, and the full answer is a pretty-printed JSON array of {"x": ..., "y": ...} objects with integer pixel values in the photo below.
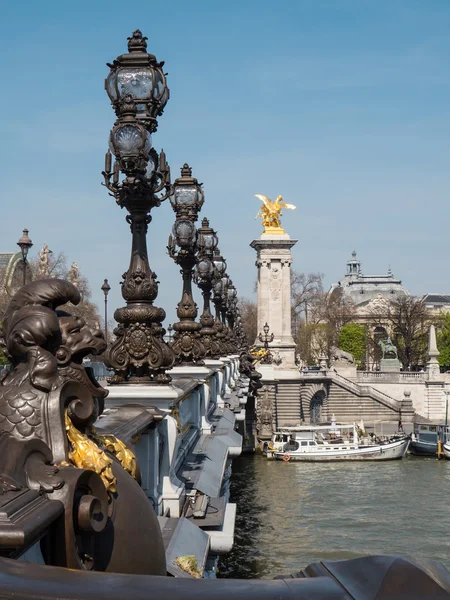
[{"x": 270, "y": 213}]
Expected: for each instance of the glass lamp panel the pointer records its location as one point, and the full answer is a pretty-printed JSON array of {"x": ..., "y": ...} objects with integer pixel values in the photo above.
[
  {"x": 218, "y": 288},
  {"x": 111, "y": 85},
  {"x": 150, "y": 169},
  {"x": 209, "y": 241},
  {"x": 184, "y": 232},
  {"x": 136, "y": 81},
  {"x": 128, "y": 140},
  {"x": 148, "y": 143},
  {"x": 165, "y": 97},
  {"x": 220, "y": 266},
  {"x": 185, "y": 195},
  {"x": 204, "y": 268},
  {"x": 159, "y": 84}
]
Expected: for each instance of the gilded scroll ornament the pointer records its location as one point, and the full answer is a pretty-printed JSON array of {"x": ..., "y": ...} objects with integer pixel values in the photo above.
[
  {"x": 85, "y": 454},
  {"x": 270, "y": 213},
  {"x": 123, "y": 454}
]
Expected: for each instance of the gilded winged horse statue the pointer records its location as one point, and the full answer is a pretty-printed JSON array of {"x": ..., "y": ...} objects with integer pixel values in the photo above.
[{"x": 270, "y": 212}]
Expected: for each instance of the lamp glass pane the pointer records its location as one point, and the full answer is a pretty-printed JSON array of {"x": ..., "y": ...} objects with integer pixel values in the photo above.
[
  {"x": 150, "y": 169},
  {"x": 185, "y": 195},
  {"x": 136, "y": 81},
  {"x": 159, "y": 84},
  {"x": 184, "y": 232},
  {"x": 128, "y": 140},
  {"x": 111, "y": 85}
]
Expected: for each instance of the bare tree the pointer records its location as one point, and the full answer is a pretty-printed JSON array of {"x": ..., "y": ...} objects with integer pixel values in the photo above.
[
  {"x": 306, "y": 289},
  {"x": 407, "y": 320},
  {"x": 326, "y": 315},
  {"x": 249, "y": 316}
]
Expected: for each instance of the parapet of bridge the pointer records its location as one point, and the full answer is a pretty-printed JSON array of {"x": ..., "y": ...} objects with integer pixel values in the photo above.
[{"x": 185, "y": 437}]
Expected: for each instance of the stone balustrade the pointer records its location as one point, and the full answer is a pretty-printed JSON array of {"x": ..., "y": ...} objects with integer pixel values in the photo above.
[
  {"x": 380, "y": 376},
  {"x": 185, "y": 451}
]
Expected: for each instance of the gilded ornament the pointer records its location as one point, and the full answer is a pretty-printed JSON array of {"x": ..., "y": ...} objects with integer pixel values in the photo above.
[
  {"x": 85, "y": 454},
  {"x": 123, "y": 454},
  {"x": 270, "y": 213}
]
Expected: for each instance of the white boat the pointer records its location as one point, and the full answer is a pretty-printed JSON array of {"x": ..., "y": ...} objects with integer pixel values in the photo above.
[
  {"x": 338, "y": 442},
  {"x": 446, "y": 450}
]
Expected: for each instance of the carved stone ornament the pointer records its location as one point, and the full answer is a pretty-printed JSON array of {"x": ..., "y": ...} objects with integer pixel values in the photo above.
[
  {"x": 264, "y": 414},
  {"x": 377, "y": 305},
  {"x": 59, "y": 471},
  {"x": 275, "y": 282}
]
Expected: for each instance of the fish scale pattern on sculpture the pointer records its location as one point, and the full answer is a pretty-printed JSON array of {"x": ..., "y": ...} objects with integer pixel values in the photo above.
[{"x": 20, "y": 414}]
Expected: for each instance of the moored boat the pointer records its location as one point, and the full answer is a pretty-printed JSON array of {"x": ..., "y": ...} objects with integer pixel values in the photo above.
[
  {"x": 424, "y": 440},
  {"x": 446, "y": 450},
  {"x": 339, "y": 442}
]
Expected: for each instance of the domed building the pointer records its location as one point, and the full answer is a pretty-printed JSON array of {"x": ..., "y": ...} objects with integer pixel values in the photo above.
[{"x": 367, "y": 292}]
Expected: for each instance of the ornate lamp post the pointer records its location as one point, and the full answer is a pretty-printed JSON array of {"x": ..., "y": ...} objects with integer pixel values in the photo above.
[
  {"x": 220, "y": 266},
  {"x": 138, "y": 92},
  {"x": 105, "y": 289},
  {"x": 169, "y": 331},
  {"x": 203, "y": 277},
  {"x": 231, "y": 314},
  {"x": 266, "y": 340},
  {"x": 187, "y": 200},
  {"x": 25, "y": 244}
]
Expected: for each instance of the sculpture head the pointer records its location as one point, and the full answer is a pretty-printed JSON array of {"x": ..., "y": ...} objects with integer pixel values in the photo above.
[
  {"x": 78, "y": 339},
  {"x": 32, "y": 331}
]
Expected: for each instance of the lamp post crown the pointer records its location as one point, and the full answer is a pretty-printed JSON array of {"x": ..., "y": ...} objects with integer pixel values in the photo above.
[
  {"x": 106, "y": 287},
  {"x": 137, "y": 42},
  {"x": 25, "y": 243}
]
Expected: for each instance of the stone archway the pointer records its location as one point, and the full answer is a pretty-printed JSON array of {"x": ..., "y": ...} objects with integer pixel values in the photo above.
[
  {"x": 313, "y": 398},
  {"x": 315, "y": 407}
]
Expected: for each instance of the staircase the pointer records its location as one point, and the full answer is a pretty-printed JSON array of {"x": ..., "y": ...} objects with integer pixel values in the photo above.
[
  {"x": 350, "y": 401},
  {"x": 287, "y": 403},
  {"x": 347, "y": 400},
  {"x": 435, "y": 401}
]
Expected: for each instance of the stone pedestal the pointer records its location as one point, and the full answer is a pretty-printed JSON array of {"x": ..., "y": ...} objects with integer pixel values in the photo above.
[
  {"x": 274, "y": 294},
  {"x": 390, "y": 365}
]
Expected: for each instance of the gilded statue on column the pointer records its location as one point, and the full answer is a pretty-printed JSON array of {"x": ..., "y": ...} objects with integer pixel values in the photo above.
[{"x": 270, "y": 213}]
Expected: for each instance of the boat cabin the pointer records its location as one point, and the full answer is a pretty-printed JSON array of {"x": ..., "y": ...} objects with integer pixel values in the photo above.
[{"x": 431, "y": 433}]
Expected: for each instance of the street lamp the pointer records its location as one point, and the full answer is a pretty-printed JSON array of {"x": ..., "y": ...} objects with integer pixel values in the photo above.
[
  {"x": 266, "y": 339},
  {"x": 186, "y": 200},
  {"x": 136, "y": 86},
  {"x": 105, "y": 289},
  {"x": 205, "y": 272},
  {"x": 220, "y": 267},
  {"x": 24, "y": 244},
  {"x": 169, "y": 331}
]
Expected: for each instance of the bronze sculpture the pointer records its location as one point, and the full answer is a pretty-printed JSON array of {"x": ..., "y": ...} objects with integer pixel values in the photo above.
[{"x": 48, "y": 404}]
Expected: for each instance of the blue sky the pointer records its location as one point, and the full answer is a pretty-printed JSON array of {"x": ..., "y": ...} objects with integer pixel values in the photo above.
[{"x": 342, "y": 106}]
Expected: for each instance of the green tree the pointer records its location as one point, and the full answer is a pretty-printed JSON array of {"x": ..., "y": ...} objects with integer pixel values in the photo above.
[
  {"x": 443, "y": 339},
  {"x": 353, "y": 338}
]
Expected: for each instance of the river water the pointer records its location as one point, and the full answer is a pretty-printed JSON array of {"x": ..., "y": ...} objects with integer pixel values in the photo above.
[{"x": 292, "y": 514}]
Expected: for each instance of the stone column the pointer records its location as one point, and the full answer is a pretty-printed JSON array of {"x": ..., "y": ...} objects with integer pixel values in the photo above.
[
  {"x": 433, "y": 370},
  {"x": 274, "y": 293}
]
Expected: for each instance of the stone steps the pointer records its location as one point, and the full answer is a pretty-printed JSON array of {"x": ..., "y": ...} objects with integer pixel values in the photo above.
[{"x": 287, "y": 404}]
